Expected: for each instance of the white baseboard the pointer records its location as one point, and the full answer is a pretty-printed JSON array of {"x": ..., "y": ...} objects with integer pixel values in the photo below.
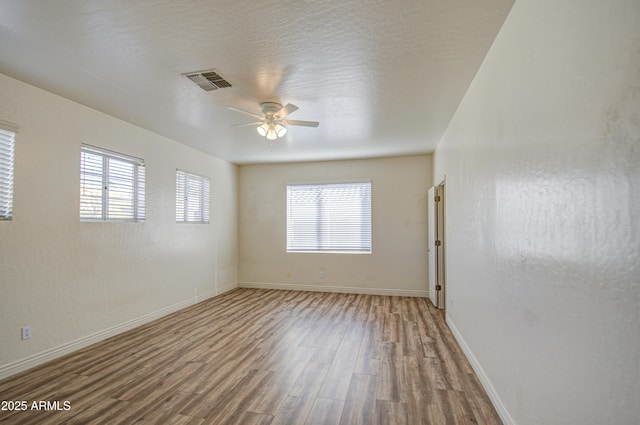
[
  {"x": 482, "y": 376},
  {"x": 226, "y": 288},
  {"x": 69, "y": 347},
  {"x": 340, "y": 289}
]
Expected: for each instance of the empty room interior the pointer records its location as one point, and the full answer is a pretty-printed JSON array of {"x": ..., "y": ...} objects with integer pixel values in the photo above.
[{"x": 320, "y": 212}]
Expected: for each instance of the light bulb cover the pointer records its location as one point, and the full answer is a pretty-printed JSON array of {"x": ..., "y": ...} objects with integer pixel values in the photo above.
[
  {"x": 262, "y": 129},
  {"x": 271, "y": 133},
  {"x": 280, "y": 130}
]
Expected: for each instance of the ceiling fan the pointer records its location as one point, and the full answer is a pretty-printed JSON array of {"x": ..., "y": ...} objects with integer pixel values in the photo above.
[{"x": 272, "y": 123}]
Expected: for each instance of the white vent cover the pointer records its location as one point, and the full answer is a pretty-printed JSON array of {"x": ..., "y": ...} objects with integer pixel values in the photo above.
[{"x": 208, "y": 80}]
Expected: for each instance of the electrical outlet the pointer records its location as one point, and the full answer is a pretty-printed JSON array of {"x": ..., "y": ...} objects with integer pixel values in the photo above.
[
  {"x": 26, "y": 332},
  {"x": 321, "y": 274}
]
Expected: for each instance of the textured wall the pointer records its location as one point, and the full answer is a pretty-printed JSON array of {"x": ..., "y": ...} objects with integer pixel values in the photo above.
[
  {"x": 542, "y": 163},
  {"x": 398, "y": 263},
  {"x": 71, "y": 280}
]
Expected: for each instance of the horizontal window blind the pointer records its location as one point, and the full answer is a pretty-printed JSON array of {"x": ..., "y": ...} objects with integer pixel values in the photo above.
[
  {"x": 112, "y": 186},
  {"x": 193, "y": 194},
  {"x": 329, "y": 217},
  {"x": 7, "y": 148}
]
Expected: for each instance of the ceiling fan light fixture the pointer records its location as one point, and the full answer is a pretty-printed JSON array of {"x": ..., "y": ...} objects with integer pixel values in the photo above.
[
  {"x": 271, "y": 133},
  {"x": 273, "y": 122},
  {"x": 280, "y": 130},
  {"x": 263, "y": 129}
]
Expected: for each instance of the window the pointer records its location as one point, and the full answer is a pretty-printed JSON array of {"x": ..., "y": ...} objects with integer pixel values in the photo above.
[
  {"x": 111, "y": 186},
  {"x": 192, "y": 198},
  {"x": 7, "y": 148},
  {"x": 329, "y": 217}
]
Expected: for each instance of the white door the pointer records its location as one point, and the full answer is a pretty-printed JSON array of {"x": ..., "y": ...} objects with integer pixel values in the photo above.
[
  {"x": 431, "y": 240},
  {"x": 439, "y": 245}
]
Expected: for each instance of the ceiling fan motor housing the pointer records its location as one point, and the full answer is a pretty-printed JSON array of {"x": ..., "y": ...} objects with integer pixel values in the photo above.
[{"x": 269, "y": 109}]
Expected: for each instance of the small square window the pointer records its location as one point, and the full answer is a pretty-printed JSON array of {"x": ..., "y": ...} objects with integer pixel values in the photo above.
[{"x": 112, "y": 186}]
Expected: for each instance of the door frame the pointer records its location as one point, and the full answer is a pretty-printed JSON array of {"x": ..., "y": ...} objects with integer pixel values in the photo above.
[
  {"x": 431, "y": 248},
  {"x": 436, "y": 244},
  {"x": 440, "y": 229}
]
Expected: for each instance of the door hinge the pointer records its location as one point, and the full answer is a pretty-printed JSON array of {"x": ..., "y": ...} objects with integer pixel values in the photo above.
[
  {"x": 437, "y": 198},
  {"x": 438, "y": 243},
  {"x": 438, "y": 287}
]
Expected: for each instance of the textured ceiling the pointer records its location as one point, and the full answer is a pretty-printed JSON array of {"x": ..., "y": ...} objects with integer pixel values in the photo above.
[{"x": 382, "y": 77}]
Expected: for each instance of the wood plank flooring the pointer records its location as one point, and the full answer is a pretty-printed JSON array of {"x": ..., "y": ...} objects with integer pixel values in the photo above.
[{"x": 266, "y": 357}]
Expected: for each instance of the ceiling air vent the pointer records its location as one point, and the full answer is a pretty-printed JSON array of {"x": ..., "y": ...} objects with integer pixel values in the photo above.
[{"x": 208, "y": 80}]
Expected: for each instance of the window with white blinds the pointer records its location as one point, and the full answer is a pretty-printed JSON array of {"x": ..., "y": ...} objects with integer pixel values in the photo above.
[
  {"x": 193, "y": 194},
  {"x": 112, "y": 186},
  {"x": 7, "y": 148},
  {"x": 332, "y": 217}
]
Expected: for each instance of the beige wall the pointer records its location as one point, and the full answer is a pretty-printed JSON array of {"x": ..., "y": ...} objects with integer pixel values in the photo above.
[
  {"x": 76, "y": 283},
  {"x": 542, "y": 164},
  {"x": 398, "y": 263}
]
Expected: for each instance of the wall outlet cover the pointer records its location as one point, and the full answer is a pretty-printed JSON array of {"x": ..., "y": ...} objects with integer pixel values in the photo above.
[{"x": 26, "y": 332}]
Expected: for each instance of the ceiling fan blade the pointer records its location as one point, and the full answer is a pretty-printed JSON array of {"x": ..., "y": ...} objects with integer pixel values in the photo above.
[
  {"x": 302, "y": 123},
  {"x": 286, "y": 110},
  {"x": 242, "y": 111},
  {"x": 249, "y": 124}
]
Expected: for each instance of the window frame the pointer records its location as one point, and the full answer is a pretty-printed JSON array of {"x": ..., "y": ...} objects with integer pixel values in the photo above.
[
  {"x": 327, "y": 239},
  {"x": 8, "y": 136},
  {"x": 108, "y": 180},
  {"x": 202, "y": 213}
]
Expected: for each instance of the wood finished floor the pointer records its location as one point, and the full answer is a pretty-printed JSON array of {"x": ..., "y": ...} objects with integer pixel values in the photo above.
[{"x": 266, "y": 357}]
